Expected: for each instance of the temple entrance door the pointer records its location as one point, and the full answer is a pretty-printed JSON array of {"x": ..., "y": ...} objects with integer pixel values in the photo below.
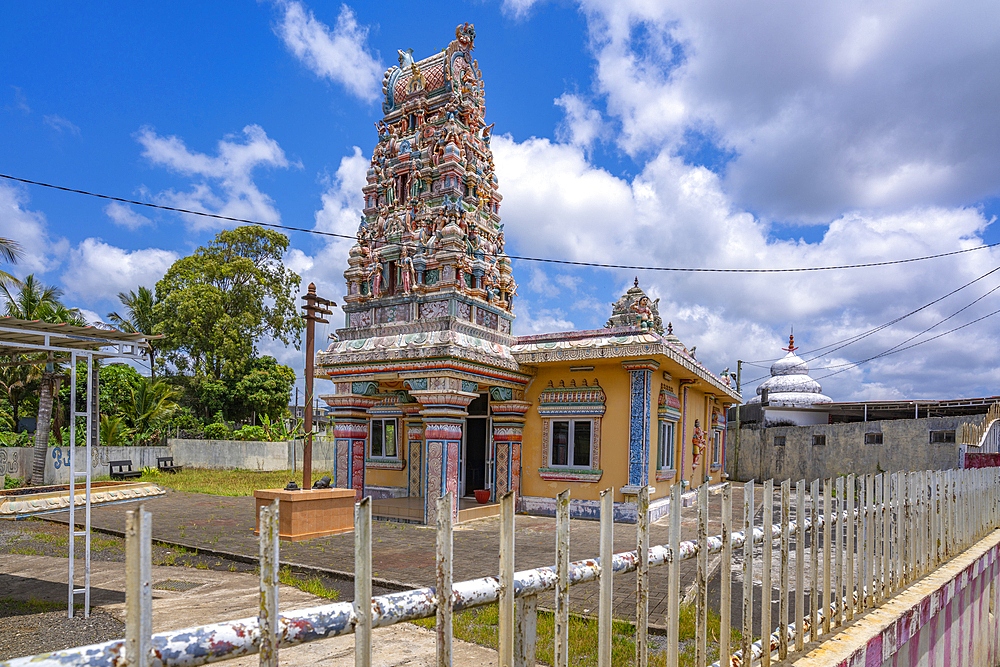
[{"x": 475, "y": 460}]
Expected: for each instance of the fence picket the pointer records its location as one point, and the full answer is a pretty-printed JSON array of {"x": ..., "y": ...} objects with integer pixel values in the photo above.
[
  {"x": 642, "y": 580},
  {"x": 886, "y": 538},
  {"x": 828, "y": 519},
  {"x": 673, "y": 582},
  {"x": 766, "y": 594},
  {"x": 525, "y": 630},
  {"x": 443, "y": 627},
  {"x": 748, "y": 506},
  {"x": 561, "y": 631},
  {"x": 726, "y": 568},
  {"x": 877, "y": 539},
  {"x": 783, "y": 573},
  {"x": 506, "y": 629},
  {"x": 851, "y": 522},
  {"x": 838, "y": 550},
  {"x": 363, "y": 582},
  {"x": 701, "y": 595},
  {"x": 814, "y": 594},
  {"x": 267, "y": 614},
  {"x": 800, "y": 561},
  {"x": 607, "y": 578},
  {"x": 138, "y": 587}
]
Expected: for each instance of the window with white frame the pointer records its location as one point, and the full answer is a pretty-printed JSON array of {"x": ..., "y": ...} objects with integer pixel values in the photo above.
[
  {"x": 666, "y": 444},
  {"x": 383, "y": 439},
  {"x": 716, "y": 447},
  {"x": 570, "y": 443}
]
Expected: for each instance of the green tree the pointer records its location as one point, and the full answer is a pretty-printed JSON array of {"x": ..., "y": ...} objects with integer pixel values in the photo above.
[
  {"x": 10, "y": 252},
  {"x": 263, "y": 389},
  {"x": 213, "y": 307},
  {"x": 151, "y": 403},
  {"x": 139, "y": 317},
  {"x": 37, "y": 301}
]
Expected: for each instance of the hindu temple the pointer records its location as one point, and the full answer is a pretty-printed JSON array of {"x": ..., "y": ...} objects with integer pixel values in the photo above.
[{"x": 432, "y": 391}]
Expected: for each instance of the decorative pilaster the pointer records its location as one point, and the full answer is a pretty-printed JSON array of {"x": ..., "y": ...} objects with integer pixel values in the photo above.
[
  {"x": 640, "y": 415},
  {"x": 508, "y": 427},
  {"x": 350, "y": 433},
  {"x": 414, "y": 439},
  {"x": 443, "y": 411}
]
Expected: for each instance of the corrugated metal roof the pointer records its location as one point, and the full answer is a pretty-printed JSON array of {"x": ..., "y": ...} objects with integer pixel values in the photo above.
[{"x": 15, "y": 333}]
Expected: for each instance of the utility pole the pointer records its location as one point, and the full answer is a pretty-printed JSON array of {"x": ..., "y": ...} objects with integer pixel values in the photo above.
[
  {"x": 736, "y": 458},
  {"x": 315, "y": 307}
]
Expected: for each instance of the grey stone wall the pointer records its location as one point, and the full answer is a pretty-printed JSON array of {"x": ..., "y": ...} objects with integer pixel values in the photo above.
[{"x": 905, "y": 446}]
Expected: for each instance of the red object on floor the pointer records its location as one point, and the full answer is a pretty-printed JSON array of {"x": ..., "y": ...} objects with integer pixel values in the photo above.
[{"x": 482, "y": 496}]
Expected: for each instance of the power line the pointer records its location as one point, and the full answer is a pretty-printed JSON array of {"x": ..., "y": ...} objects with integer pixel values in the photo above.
[
  {"x": 899, "y": 346},
  {"x": 855, "y": 338},
  {"x": 545, "y": 260},
  {"x": 901, "y": 349}
]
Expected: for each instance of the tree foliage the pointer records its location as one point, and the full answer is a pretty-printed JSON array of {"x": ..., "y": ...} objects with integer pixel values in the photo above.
[
  {"x": 140, "y": 317},
  {"x": 214, "y": 306}
]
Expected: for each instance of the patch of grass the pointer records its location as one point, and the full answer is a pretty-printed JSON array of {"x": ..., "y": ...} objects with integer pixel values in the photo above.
[
  {"x": 26, "y": 551},
  {"x": 106, "y": 543},
  {"x": 228, "y": 482},
  {"x": 480, "y": 626},
  {"x": 48, "y": 538},
  {"x": 13, "y": 607},
  {"x": 309, "y": 584}
]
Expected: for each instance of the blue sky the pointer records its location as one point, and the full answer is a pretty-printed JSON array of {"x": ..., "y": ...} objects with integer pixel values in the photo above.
[{"x": 691, "y": 134}]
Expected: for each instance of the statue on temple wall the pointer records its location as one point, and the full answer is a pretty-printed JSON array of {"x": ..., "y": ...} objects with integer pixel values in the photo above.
[
  {"x": 406, "y": 266},
  {"x": 641, "y": 308},
  {"x": 376, "y": 278}
]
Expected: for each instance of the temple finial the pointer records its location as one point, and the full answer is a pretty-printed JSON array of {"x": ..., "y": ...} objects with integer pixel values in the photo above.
[
  {"x": 670, "y": 328},
  {"x": 791, "y": 343},
  {"x": 636, "y": 281}
]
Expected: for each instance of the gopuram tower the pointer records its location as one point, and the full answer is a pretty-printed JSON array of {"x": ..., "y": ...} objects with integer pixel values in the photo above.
[{"x": 424, "y": 359}]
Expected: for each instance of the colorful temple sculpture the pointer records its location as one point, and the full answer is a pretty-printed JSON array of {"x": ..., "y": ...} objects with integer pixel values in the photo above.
[{"x": 433, "y": 393}]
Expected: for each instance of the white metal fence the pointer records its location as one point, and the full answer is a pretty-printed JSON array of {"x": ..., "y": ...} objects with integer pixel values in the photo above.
[{"x": 869, "y": 537}]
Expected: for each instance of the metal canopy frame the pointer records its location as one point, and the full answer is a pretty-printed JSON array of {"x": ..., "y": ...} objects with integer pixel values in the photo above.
[{"x": 69, "y": 342}]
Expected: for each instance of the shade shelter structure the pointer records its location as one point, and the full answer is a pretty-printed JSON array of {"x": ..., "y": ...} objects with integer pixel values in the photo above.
[{"x": 44, "y": 342}]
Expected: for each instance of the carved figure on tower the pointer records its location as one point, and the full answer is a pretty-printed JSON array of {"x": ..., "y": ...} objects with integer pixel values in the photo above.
[{"x": 433, "y": 189}]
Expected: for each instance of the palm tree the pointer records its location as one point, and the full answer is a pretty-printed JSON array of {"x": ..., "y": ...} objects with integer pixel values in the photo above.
[
  {"x": 10, "y": 251},
  {"x": 150, "y": 402},
  {"x": 139, "y": 317},
  {"x": 37, "y": 301}
]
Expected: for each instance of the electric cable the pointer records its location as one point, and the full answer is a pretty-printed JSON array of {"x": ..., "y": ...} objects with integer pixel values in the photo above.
[{"x": 545, "y": 260}]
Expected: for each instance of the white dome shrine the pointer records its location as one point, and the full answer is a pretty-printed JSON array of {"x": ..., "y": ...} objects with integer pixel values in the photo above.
[{"x": 790, "y": 384}]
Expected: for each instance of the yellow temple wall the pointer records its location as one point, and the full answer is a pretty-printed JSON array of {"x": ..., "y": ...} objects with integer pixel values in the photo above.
[{"x": 614, "y": 380}]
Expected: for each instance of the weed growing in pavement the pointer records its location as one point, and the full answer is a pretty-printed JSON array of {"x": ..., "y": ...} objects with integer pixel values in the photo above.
[
  {"x": 13, "y": 607},
  {"x": 480, "y": 626},
  {"x": 26, "y": 551},
  {"x": 309, "y": 584}
]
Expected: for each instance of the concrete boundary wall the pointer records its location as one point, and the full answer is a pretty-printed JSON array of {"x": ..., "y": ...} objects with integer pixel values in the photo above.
[
  {"x": 905, "y": 446},
  {"x": 947, "y": 618},
  {"x": 210, "y": 454}
]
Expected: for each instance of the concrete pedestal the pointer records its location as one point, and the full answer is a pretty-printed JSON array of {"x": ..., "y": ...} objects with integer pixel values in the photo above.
[{"x": 309, "y": 513}]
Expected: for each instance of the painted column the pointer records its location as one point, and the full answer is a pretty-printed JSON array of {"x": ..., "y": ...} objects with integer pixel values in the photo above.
[
  {"x": 684, "y": 384},
  {"x": 414, "y": 439},
  {"x": 508, "y": 427},
  {"x": 443, "y": 412},
  {"x": 350, "y": 433},
  {"x": 640, "y": 416}
]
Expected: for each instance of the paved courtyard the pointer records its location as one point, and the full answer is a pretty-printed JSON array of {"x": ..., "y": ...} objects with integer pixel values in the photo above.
[{"x": 403, "y": 554}]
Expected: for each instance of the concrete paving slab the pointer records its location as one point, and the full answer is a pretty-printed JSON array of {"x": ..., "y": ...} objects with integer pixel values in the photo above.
[{"x": 185, "y": 597}]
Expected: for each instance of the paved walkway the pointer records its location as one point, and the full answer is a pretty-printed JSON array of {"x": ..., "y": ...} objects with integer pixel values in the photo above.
[{"x": 403, "y": 554}]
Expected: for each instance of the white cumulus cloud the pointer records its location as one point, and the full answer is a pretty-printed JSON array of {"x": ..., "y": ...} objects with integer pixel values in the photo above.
[
  {"x": 340, "y": 55},
  {"x": 96, "y": 271},
  {"x": 225, "y": 184},
  {"x": 124, "y": 216}
]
